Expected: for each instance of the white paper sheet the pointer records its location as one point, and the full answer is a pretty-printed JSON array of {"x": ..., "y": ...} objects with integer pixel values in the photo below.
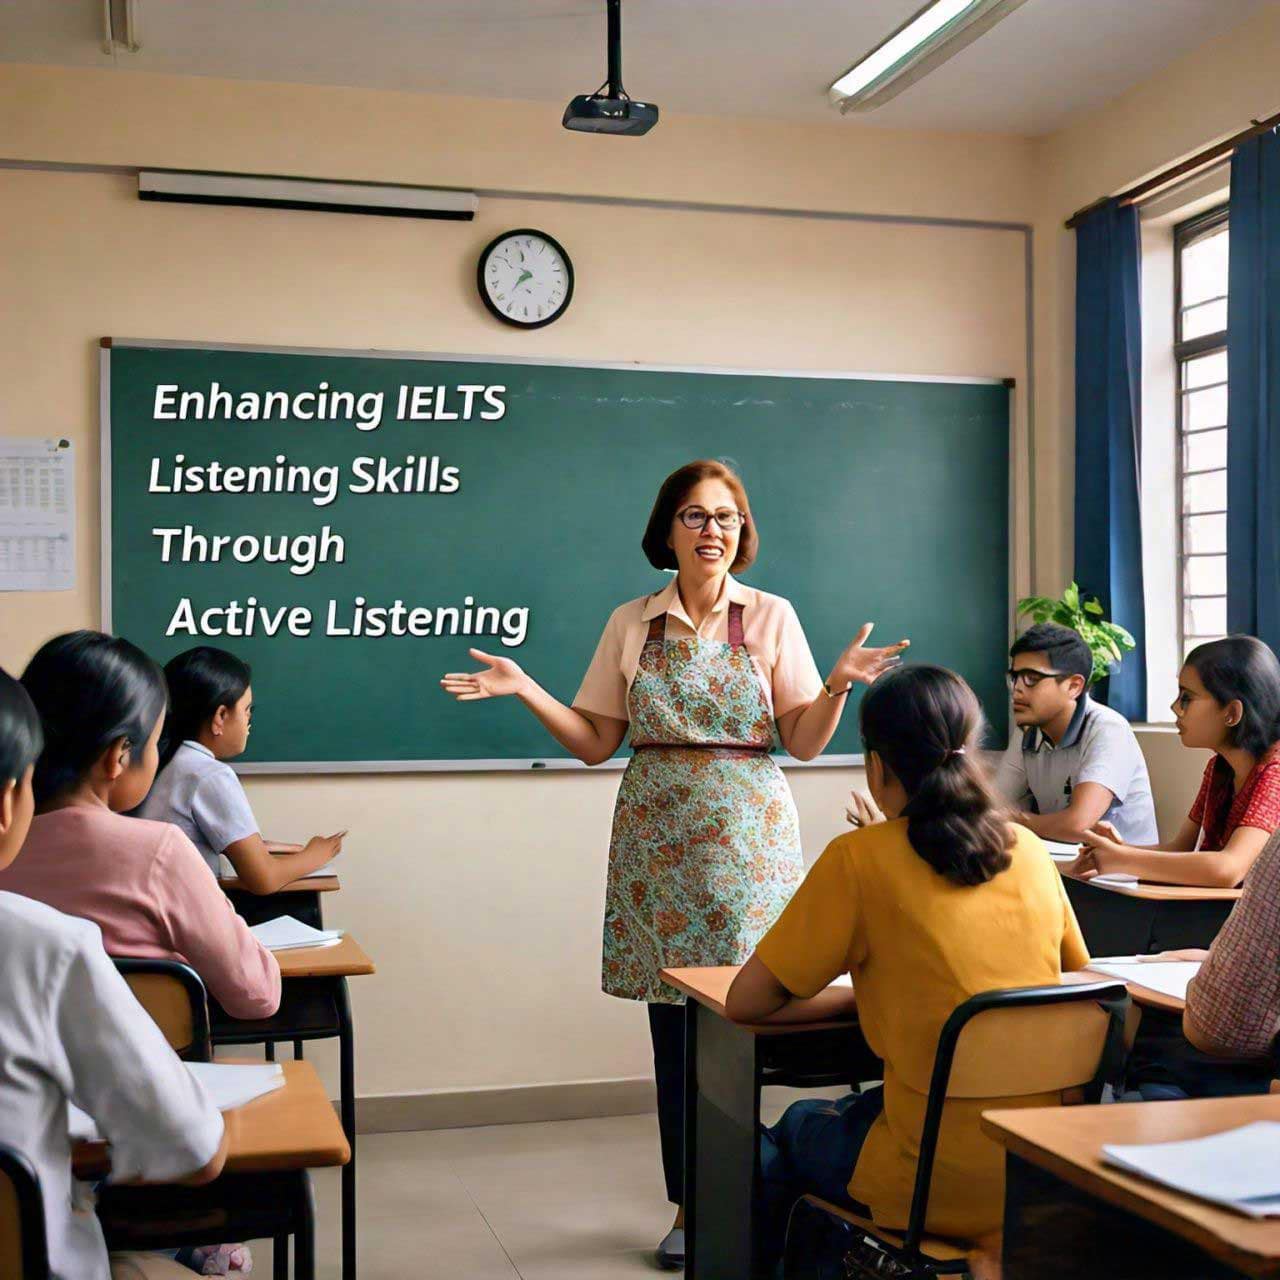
[
  {"x": 284, "y": 933},
  {"x": 228, "y": 1085},
  {"x": 1169, "y": 977},
  {"x": 1060, "y": 851},
  {"x": 1239, "y": 1168},
  {"x": 37, "y": 514}
]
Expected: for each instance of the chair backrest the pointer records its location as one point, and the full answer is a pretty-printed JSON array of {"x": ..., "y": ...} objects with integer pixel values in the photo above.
[
  {"x": 1017, "y": 1042},
  {"x": 23, "y": 1248},
  {"x": 173, "y": 994}
]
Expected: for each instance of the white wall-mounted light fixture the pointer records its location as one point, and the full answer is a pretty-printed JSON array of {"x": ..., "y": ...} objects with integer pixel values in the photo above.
[
  {"x": 925, "y": 41},
  {"x": 387, "y": 199},
  {"x": 120, "y": 26}
]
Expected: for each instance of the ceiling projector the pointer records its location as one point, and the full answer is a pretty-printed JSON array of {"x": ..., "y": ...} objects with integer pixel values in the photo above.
[{"x": 610, "y": 109}]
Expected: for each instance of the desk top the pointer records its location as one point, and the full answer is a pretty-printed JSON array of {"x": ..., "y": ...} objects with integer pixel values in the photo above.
[
  {"x": 308, "y": 884},
  {"x": 344, "y": 959},
  {"x": 1067, "y": 1141},
  {"x": 709, "y": 987},
  {"x": 294, "y": 1127},
  {"x": 1150, "y": 891}
]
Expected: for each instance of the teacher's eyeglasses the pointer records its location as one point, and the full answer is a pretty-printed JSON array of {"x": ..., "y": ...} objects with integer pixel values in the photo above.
[{"x": 698, "y": 518}]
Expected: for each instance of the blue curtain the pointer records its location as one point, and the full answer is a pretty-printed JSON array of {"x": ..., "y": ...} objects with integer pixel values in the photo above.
[
  {"x": 1108, "y": 538},
  {"x": 1253, "y": 392}
]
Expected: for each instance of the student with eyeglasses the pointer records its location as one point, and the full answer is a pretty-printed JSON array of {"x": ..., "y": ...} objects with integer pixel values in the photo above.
[
  {"x": 1228, "y": 702},
  {"x": 1072, "y": 762},
  {"x": 709, "y": 675}
]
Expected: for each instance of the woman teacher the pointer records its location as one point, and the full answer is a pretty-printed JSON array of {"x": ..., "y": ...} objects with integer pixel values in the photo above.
[{"x": 710, "y": 675}]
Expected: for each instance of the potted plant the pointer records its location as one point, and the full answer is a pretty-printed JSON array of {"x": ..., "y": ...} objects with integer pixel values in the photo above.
[{"x": 1107, "y": 641}]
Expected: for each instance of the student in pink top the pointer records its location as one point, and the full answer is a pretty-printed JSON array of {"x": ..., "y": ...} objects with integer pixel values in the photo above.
[{"x": 101, "y": 702}]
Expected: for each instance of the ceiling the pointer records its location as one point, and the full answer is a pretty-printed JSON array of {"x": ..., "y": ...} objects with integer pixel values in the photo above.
[{"x": 1046, "y": 62}]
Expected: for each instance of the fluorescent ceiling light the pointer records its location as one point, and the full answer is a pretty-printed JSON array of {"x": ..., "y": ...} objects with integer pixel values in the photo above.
[
  {"x": 939, "y": 31},
  {"x": 301, "y": 193}
]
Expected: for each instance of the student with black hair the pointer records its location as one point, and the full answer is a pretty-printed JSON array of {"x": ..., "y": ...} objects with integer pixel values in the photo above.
[
  {"x": 1072, "y": 762},
  {"x": 942, "y": 900},
  {"x": 210, "y": 713},
  {"x": 71, "y": 1030},
  {"x": 101, "y": 702},
  {"x": 1228, "y": 702}
]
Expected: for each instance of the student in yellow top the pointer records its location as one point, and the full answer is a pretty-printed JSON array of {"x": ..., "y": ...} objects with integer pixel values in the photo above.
[{"x": 942, "y": 900}]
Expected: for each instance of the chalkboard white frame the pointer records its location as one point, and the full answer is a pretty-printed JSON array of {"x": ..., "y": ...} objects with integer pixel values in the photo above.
[{"x": 291, "y": 767}]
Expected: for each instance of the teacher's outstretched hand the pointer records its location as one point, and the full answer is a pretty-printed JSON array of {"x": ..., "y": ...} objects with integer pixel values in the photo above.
[{"x": 502, "y": 678}]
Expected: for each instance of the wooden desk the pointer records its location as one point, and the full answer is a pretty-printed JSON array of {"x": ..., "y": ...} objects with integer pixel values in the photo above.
[
  {"x": 300, "y": 899},
  {"x": 1140, "y": 919},
  {"x": 264, "y": 1189},
  {"x": 1067, "y": 1214},
  {"x": 315, "y": 1004},
  {"x": 726, "y": 1065}
]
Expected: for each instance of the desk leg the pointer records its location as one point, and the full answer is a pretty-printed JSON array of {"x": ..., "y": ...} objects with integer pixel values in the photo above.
[
  {"x": 347, "y": 1106},
  {"x": 690, "y": 1134},
  {"x": 722, "y": 1152},
  {"x": 1052, "y": 1231},
  {"x": 305, "y": 1231}
]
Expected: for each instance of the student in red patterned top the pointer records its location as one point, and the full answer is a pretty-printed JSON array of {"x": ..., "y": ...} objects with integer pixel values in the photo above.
[{"x": 1228, "y": 701}]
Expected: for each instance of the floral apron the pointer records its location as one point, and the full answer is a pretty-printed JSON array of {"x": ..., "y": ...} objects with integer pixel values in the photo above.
[{"x": 705, "y": 850}]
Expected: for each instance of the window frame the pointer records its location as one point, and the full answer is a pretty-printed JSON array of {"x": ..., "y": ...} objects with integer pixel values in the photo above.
[{"x": 1184, "y": 235}]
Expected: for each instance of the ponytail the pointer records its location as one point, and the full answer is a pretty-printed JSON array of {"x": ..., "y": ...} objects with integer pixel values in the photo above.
[{"x": 926, "y": 725}]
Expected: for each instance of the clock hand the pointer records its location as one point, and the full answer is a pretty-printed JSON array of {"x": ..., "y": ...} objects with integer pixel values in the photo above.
[{"x": 524, "y": 275}]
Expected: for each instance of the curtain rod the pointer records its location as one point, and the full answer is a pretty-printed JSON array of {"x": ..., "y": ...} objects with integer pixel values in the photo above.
[{"x": 1179, "y": 170}]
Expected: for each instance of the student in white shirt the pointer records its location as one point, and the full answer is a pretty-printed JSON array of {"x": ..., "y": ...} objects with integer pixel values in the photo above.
[
  {"x": 71, "y": 1030},
  {"x": 210, "y": 713}
]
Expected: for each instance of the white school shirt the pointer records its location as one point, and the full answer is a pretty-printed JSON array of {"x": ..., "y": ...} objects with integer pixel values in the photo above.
[
  {"x": 70, "y": 1028},
  {"x": 202, "y": 795}
]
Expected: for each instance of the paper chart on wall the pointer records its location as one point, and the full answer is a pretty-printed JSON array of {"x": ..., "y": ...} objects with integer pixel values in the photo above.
[{"x": 37, "y": 514}]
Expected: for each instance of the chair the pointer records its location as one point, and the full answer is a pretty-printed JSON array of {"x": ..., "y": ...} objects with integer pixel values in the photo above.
[
  {"x": 1066, "y": 1039},
  {"x": 174, "y": 995},
  {"x": 24, "y": 1250}
]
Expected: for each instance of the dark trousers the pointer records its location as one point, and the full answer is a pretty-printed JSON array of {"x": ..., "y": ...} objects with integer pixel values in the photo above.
[{"x": 666, "y": 1026}]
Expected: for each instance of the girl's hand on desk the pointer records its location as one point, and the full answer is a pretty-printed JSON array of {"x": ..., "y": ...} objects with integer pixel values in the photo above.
[
  {"x": 1107, "y": 832},
  {"x": 1085, "y": 867},
  {"x": 331, "y": 845},
  {"x": 862, "y": 811},
  {"x": 500, "y": 678}
]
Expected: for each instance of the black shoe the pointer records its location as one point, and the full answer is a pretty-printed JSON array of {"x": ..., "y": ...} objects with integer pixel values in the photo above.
[{"x": 669, "y": 1255}]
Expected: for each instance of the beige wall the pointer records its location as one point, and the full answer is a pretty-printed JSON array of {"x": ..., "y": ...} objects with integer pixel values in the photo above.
[{"x": 479, "y": 896}]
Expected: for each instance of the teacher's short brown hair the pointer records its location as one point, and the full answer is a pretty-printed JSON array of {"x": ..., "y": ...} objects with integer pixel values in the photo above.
[{"x": 671, "y": 497}]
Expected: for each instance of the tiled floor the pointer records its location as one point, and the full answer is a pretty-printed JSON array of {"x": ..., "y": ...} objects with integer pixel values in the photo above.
[
  {"x": 569, "y": 1200},
  {"x": 572, "y": 1199}
]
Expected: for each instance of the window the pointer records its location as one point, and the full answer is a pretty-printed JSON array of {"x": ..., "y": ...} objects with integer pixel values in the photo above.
[{"x": 1200, "y": 354}]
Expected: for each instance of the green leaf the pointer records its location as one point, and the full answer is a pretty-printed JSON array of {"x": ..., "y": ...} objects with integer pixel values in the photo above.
[{"x": 1093, "y": 607}]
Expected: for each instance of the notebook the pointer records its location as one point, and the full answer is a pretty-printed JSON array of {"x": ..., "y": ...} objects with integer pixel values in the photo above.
[
  {"x": 1238, "y": 1168},
  {"x": 1169, "y": 977},
  {"x": 228, "y": 1085},
  {"x": 1060, "y": 851},
  {"x": 284, "y": 933}
]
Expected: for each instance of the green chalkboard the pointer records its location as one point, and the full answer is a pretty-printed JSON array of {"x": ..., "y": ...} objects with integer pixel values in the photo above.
[{"x": 874, "y": 499}]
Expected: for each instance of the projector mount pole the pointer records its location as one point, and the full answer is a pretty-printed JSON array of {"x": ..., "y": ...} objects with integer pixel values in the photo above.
[{"x": 613, "y": 9}]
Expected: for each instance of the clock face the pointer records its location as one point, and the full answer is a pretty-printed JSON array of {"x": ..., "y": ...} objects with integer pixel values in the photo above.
[{"x": 525, "y": 278}]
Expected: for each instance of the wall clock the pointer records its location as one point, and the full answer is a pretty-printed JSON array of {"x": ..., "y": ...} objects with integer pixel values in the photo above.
[{"x": 525, "y": 278}]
